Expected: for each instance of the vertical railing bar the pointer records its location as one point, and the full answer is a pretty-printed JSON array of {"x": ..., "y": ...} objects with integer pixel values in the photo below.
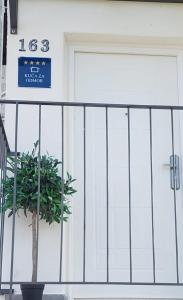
[
  {"x": 84, "y": 208},
  {"x": 1, "y": 196},
  {"x": 129, "y": 187},
  {"x": 175, "y": 200},
  {"x": 14, "y": 203},
  {"x": 62, "y": 196},
  {"x": 3, "y": 214},
  {"x": 1, "y": 158},
  {"x": 152, "y": 195},
  {"x": 107, "y": 188},
  {"x": 39, "y": 190}
]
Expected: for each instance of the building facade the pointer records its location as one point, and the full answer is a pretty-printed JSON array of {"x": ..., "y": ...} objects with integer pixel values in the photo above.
[{"x": 103, "y": 53}]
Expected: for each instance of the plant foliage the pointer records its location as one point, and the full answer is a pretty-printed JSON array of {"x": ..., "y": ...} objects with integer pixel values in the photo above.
[{"x": 54, "y": 191}]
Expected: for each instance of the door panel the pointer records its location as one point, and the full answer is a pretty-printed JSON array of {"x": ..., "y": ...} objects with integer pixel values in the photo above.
[
  {"x": 125, "y": 78},
  {"x": 130, "y": 79}
]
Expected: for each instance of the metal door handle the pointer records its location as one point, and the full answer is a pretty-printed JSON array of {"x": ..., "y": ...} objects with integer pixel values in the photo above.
[{"x": 174, "y": 172}]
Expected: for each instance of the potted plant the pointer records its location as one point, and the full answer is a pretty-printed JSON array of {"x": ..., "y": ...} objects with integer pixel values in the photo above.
[{"x": 53, "y": 199}]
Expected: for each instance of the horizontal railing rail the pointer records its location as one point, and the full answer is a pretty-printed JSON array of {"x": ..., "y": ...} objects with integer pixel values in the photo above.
[
  {"x": 91, "y": 104},
  {"x": 82, "y": 131}
]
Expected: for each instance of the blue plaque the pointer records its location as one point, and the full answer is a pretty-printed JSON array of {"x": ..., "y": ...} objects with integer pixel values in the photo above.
[{"x": 34, "y": 72}]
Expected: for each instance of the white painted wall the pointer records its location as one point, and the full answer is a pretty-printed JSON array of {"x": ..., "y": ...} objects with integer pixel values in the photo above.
[
  {"x": 1, "y": 41},
  {"x": 99, "y": 20}
]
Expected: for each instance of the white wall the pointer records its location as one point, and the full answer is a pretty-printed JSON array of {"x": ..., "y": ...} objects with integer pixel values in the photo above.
[
  {"x": 1, "y": 41},
  {"x": 105, "y": 20}
]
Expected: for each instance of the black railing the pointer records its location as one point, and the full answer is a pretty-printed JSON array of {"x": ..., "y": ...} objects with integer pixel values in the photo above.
[
  {"x": 142, "y": 129},
  {"x": 4, "y": 150}
]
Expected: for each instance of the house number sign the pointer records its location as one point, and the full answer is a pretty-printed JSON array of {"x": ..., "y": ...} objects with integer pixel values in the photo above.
[{"x": 34, "y": 45}]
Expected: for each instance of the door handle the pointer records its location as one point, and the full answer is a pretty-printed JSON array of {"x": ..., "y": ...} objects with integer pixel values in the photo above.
[{"x": 174, "y": 172}]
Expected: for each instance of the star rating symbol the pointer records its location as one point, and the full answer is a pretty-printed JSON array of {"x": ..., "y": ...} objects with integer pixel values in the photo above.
[{"x": 34, "y": 62}]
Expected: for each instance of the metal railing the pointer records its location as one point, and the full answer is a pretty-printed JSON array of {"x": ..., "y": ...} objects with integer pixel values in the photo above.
[
  {"x": 4, "y": 150},
  {"x": 169, "y": 116}
]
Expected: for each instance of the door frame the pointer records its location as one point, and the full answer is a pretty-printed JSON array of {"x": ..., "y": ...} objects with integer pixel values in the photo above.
[{"x": 72, "y": 48}]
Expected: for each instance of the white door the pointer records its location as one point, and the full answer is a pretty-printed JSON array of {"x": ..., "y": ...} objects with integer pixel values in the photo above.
[{"x": 127, "y": 79}]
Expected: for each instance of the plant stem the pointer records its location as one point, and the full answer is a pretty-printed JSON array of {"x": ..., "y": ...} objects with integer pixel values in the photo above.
[{"x": 34, "y": 247}]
